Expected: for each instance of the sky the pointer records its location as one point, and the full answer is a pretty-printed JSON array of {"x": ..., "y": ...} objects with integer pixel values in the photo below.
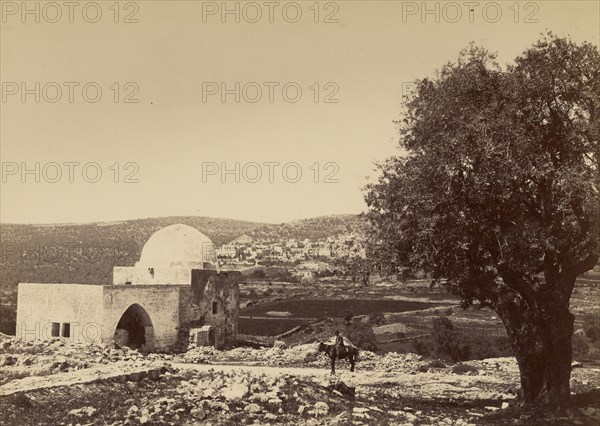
[{"x": 260, "y": 111}]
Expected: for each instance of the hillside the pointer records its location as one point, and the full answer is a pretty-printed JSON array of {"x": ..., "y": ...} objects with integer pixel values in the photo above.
[
  {"x": 86, "y": 253},
  {"x": 317, "y": 228}
]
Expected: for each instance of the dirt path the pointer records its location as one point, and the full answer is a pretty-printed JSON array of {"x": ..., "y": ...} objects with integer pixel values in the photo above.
[
  {"x": 432, "y": 384},
  {"x": 118, "y": 370}
]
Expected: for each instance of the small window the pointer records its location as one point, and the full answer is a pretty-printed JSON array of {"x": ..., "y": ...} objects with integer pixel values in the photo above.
[
  {"x": 55, "y": 329},
  {"x": 66, "y": 331},
  {"x": 215, "y": 307}
]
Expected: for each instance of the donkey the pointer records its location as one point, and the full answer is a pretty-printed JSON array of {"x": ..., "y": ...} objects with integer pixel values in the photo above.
[{"x": 351, "y": 353}]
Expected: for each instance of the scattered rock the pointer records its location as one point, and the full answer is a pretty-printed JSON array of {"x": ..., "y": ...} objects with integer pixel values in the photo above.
[
  {"x": 252, "y": 408},
  {"x": 321, "y": 408},
  {"x": 83, "y": 412}
]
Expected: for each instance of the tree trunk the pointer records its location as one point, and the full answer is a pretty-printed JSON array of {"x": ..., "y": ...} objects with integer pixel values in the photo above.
[{"x": 541, "y": 339}]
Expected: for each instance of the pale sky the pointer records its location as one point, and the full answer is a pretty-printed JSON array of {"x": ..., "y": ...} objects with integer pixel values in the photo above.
[{"x": 174, "y": 55}]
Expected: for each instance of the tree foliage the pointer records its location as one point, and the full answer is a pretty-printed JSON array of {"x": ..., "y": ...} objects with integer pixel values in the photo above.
[{"x": 497, "y": 192}]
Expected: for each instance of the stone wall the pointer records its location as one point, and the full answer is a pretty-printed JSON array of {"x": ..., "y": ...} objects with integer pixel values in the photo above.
[
  {"x": 45, "y": 311},
  {"x": 123, "y": 275},
  {"x": 160, "y": 302},
  {"x": 212, "y": 299}
]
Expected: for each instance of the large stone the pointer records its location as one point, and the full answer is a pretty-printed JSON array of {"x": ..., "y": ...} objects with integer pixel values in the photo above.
[
  {"x": 321, "y": 408},
  {"x": 252, "y": 408}
]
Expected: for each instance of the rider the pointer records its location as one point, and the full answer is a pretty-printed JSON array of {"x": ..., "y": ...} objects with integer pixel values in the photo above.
[{"x": 339, "y": 343}]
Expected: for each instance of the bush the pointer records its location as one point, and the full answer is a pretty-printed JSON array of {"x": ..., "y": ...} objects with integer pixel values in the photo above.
[
  {"x": 593, "y": 355},
  {"x": 250, "y": 294},
  {"x": 580, "y": 345},
  {"x": 436, "y": 363},
  {"x": 447, "y": 342},
  {"x": 258, "y": 274},
  {"x": 464, "y": 369},
  {"x": 348, "y": 315},
  {"x": 422, "y": 347},
  {"x": 482, "y": 347},
  {"x": 376, "y": 318},
  {"x": 362, "y": 335},
  {"x": 591, "y": 327}
]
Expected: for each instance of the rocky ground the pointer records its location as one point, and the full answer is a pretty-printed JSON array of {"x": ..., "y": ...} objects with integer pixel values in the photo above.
[
  {"x": 20, "y": 359},
  {"x": 88, "y": 384}
]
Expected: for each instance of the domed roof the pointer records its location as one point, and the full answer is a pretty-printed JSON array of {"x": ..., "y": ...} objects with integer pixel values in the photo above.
[{"x": 178, "y": 246}]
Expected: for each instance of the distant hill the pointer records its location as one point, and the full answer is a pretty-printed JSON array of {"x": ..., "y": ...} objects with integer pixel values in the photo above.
[
  {"x": 316, "y": 228},
  {"x": 86, "y": 253}
]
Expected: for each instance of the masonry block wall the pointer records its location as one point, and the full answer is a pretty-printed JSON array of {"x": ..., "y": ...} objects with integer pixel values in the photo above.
[
  {"x": 150, "y": 275},
  {"x": 213, "y": 299},
  {"x": 160, "y": 302},
  {"x": 73, "y": 311}
]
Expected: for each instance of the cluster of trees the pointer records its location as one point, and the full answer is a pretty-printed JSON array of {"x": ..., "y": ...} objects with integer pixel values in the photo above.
[
  {"x": 447, "y": 342},
  {"x": 498, "y": 194}
]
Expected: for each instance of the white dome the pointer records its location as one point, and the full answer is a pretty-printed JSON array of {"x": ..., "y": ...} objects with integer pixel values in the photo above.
[{"x": 178, "y": 246}]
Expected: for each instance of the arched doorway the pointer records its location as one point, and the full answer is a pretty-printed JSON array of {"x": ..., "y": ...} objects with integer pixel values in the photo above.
[{"x": 135, "y": 329}]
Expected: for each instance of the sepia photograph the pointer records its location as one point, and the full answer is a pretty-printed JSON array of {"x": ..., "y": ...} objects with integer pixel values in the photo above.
[{"x": 308, "y": 212}]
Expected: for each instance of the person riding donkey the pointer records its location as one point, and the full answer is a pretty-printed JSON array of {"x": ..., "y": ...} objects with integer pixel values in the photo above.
[{"x": 339, "y": 344}]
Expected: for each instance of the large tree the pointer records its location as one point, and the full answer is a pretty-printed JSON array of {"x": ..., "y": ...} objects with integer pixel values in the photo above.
[{"x": 496, "y": 192}]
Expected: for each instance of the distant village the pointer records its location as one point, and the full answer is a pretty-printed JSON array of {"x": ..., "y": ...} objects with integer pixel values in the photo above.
[{"x": 246, "y": 249}]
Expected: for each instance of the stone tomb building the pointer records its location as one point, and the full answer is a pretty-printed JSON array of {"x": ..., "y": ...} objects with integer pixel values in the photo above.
[{"x": 174, "y": 290}]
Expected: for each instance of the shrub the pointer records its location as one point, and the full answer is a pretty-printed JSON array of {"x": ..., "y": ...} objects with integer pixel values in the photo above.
[
  {"x": 437, "y": 363},
  {"x": 22, "y": 401},
  {"x": 376, "y": 318},
  {"x": 580, "y": 345},
  {"x": 464, "y": 369},
  {"x": 362, "y": 335},
  {"x": 258, "y": 273},
  {"x": 482, "y": 347},
  {"x": 422, "y": 347},
  {"x": 348, "y": 315},
  {"x": 447, "y": 342},
  {"x": 593, "y": 355},
  {"x": 591, "y": 327}
]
